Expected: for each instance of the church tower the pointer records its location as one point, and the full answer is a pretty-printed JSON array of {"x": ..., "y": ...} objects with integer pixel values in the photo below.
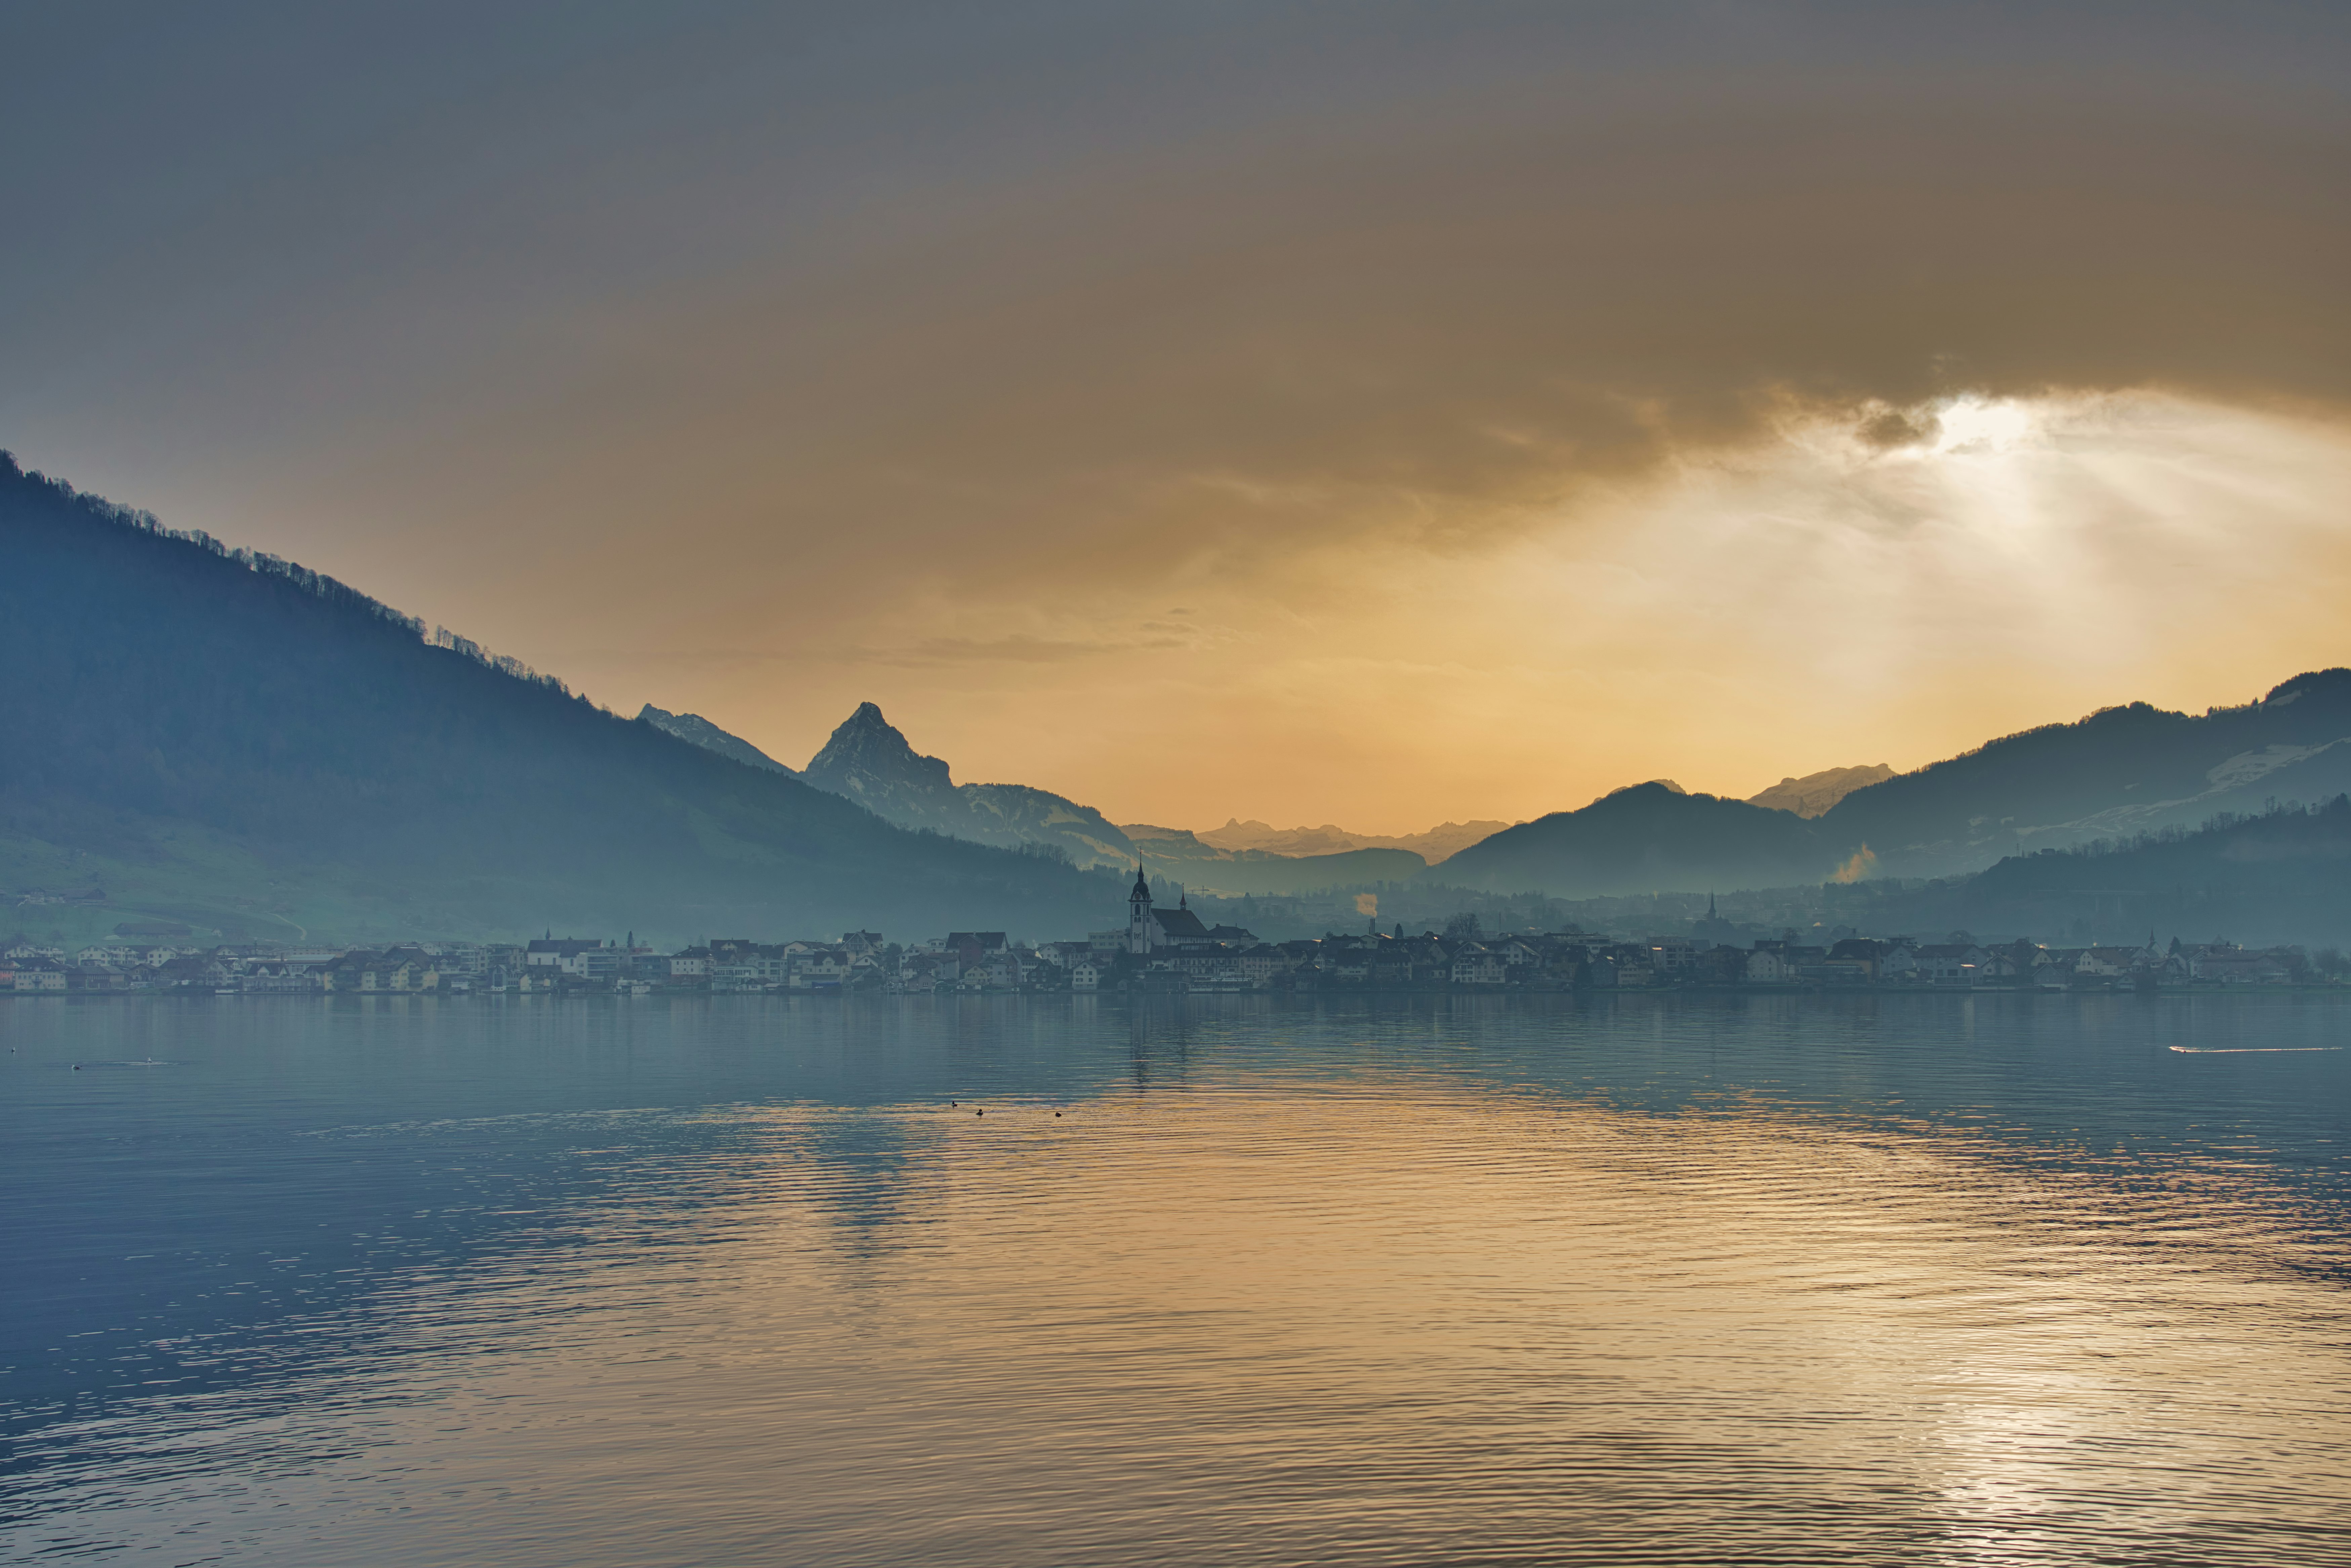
[{"x": 1138, "y": 915}]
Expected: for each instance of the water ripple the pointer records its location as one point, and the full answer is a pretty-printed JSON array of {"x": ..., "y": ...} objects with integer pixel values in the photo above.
[{"x": 1255, "y": 1286}]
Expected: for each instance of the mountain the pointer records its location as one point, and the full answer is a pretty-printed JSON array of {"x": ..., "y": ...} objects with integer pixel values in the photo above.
[
  {"x": 1645, "y": 837},
  {"x": 1815, "y": 793},
  {"x": 230, "y": 741},
  {"x": 870, "y": 761},
  {"x": 2120, "y": 771},
  {"x": 2282, "y": 875},
  {"x": 1188, "y": 860},
  {"x": 1436, "y": 845},
  {"x": 696, "y": 730}
]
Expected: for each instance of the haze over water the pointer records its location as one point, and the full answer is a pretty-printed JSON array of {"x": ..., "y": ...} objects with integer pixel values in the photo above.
[{"x": 1939, "y": 1280}]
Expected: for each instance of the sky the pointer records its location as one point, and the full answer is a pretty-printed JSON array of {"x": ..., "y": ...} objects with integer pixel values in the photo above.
[{"x": 1358, "y": 412}]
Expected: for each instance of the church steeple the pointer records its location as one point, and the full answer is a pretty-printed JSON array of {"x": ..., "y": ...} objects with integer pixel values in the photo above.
[{"x": 1139, "y": 924}]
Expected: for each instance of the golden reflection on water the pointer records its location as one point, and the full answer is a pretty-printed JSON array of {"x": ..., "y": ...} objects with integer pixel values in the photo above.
[{"x": 1255, "y": 1323}]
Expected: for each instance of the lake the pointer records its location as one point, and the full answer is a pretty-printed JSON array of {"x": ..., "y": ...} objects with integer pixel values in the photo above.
[{"x": 1918, "y": 1279}]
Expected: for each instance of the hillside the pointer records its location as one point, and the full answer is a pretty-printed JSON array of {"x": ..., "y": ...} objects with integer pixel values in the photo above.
[
  {"x": 1815, "y": 793},
  {"x": 1647, "y": 838},
  {"x": 868, "y": 760},
  {"x": 699, "y": 731},
  {"x": 2282, "y": 875},
  {"x": 238, "y": 743},
  {"x": 2118, "y": 772}
]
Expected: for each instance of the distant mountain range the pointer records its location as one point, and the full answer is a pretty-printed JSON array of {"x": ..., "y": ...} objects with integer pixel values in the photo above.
[
  {"x": 868, "y": 760},
  {"x": 1806, "y": 797},
  {"x": 1435, "y": 845},
  {"x": 231, "y": 742},
  {"x": 2120, "y": 771},
  {"x": 1815, "y": 793},
  {"x": 2280, "y": 875}
]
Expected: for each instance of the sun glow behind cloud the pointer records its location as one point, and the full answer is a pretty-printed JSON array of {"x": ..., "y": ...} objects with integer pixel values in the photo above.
[
  {"x": 1855, "y": 583},
  {"x": 1205, "y": 412},
  {"x": 1781, "y": 607}
]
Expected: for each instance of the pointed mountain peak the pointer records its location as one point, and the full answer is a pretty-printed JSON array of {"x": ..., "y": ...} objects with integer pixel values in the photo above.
[{"x": 868, "y": 760}]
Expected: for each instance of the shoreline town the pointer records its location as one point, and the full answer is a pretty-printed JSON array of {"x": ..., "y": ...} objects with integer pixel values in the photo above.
[{"x": 1161, "y": 950}]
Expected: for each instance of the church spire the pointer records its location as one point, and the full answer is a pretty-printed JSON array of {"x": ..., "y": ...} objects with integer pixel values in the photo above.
[{"x": 1139, "y": 922}]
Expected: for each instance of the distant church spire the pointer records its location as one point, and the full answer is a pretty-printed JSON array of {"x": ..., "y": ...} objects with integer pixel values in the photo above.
[{"x": 1138, "y": 917}]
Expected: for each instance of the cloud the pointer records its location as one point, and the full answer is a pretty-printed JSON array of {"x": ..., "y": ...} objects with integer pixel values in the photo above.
[
  {"x": 1526, "y": 399},
  {"x": 1433, "y": 333}
]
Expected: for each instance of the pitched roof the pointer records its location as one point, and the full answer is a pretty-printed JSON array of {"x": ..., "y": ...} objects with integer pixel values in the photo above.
[{"x": 1179, "y": 923}]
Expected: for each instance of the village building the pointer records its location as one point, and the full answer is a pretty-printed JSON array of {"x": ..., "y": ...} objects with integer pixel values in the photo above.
[{"x": 1156, "y": 931}]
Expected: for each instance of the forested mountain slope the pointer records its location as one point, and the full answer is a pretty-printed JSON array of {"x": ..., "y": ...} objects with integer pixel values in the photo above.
[
  {"x": 238, "y": 742},
  {"x": 1647, "y": 838},
  {"x": 2120, "y": 771},
  {"x": 2280, "y": 875}
]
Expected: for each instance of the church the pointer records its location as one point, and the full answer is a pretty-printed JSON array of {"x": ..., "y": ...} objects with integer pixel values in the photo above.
[{"x": 1158, "y": 931}]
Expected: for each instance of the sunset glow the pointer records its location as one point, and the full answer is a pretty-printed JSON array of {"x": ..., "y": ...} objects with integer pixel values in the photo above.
[
  {"x": 1204, "y": 786},
  {"x": 1292, "y": 446}
]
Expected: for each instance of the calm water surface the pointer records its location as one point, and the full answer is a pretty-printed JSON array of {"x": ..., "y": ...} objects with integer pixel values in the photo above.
[{"x": 1928, "y": 1280}]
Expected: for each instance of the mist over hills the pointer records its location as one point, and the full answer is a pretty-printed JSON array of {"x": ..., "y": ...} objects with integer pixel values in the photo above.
[
  {"x": 2282, "y": 875},
  {"x": 233, "y": 741},
  {"x": 1433, "y": 846},
  {"x": 2120, "y": 771},
  {"x": 868, "y": 760},
  {"x": 1188, "y": 858},
  {"x": 1645, "y": 837},
  {"x": 1817, "y": 792}
]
